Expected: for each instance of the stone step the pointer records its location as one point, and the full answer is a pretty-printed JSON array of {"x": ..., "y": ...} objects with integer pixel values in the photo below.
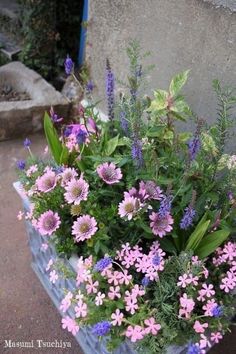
[{"x": 8, "y": 47}]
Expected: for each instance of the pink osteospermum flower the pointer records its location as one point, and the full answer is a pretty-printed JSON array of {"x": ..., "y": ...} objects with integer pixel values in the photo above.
[
  {"x": 84, "y": 228},
  {"x": 48, "y": 223},
  {"x": 117, "y": 318},
  {"x": 134, "y": 333},
  {"x": 151, "y": 190},
  {"x": 47, "y": 181},
  {"x": 152, "y": 326},
  {"x": 76, "y": 191},
  {"x": 109, "y": 173},
  {"x": 128, "y": 207},
  {"x": 161, "y": 225},
  {"x": 70, "y": 324},
  {"x": 53, "y": 276},
  {"x": 67, "y": 175},
  {"x": 216, "y": 337}
]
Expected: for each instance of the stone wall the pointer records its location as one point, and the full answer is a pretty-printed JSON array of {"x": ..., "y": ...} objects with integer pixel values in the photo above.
[{"x": 181, "y": 34}]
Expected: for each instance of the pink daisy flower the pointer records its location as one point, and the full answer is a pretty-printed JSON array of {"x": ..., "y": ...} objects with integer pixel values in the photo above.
[
  {"x": 47, "y": 181},
  {"x": 109, "y": 173},
  {"x": 151, "y": 190},
  {"x": 128, "y": 207},
  {"x": 84, "y": 228},
  {"x": 76, "y": 191},
  {"x": 48, "y": 223},
  {"x": 67, "y": 175},
  {"x": 161, "y": 225}
]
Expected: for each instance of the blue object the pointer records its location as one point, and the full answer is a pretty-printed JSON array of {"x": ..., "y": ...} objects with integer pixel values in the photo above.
[{"x": 83, "y": 34}]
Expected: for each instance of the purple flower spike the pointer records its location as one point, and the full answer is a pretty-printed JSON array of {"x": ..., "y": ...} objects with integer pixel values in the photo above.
[
  {"x": 27, "y": 143},
  {"x": 194, "y": 146},
  {"x": 102, "y": 264},
  {"x": 136, "y": 152},
  {"x": 110, "y": 84},
  {"x": 193, "y": 349},
  {"x": 89, "y": 87},
  {"x": 55, "y": 118},
  {"x": 69, "y": 65},
  {"x": 21, "y": 164},
  {"x": 187, "y": 219},
  {"x": 101, "y": 328}
]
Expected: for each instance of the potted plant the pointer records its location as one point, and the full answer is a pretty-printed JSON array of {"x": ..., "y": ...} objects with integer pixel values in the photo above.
[{"x": 134, "y": 226}]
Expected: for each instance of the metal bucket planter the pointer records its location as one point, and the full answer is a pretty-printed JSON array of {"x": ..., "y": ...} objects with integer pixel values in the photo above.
[{"x": 40, "y": 258}]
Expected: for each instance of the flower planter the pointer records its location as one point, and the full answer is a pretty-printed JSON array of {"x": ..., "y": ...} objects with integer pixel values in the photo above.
[{"x": 40, "y": 258}]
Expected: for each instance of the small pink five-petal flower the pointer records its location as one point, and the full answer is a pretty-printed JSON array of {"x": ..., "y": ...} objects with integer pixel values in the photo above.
[
  {"x": 114, "y": 292},
  {"x": 152, "y": 326},
  {"x": 134, "y": 333},
  {"x": 183, "y": 281},
  {"x": 207, "y": 290},
  {"x": 131, "y": 306},
  {"x": 113, "y": 277},
  {"x": 117, "y": 318},
  {"x": 200, "y": 327},
  {"x": 99, "y": 299},
  {"x": 70, "y": 324},
  {"x": 53, "y": 276},
  {"x": 124, "y": 277},
  {"x": 81, "y": 309},
  {"x": 91, "y": 287},
  {"x": 216, "y": 337}
]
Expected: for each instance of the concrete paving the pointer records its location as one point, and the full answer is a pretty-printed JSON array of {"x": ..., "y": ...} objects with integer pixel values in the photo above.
[{"x": 26, "y": 311}]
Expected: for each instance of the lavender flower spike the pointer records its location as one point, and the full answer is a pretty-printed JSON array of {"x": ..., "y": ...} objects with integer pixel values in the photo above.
[
  {"x": 194, "y": 146},
  {"x": 69, "y": 65},
  {"x": 187, "y": 219},
  {"x": 110, "y": 84},
  {"x": 101, "y": 328},
  {"x": 136, "y": 152}
]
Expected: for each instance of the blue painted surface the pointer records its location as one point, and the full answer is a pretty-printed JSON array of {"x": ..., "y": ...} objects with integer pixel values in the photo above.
[{"x": 83, "y": 35}]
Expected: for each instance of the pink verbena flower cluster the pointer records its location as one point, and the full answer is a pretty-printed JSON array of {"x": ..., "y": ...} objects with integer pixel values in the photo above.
[
  {"x": 226, "y": 256},
  {"x": 147, "y": 264},
  {"x": 107, "y": 281}
]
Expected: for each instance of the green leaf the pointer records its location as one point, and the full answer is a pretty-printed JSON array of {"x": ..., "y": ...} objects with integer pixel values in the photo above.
[
  {"x": 167, "y": 245},
  {"x": 52, "y": 138},
  {"x": 156, "y": 131},
  {"x": 111, "y": 145},
  {"x": 64, "y": 156},
  {"x": 160, "y": 102},
  {"x": 178, "y": 82},
  {"x": 211, "y": 242},
  {"x": 197, "y": 235},
  {"x": 180, "y": 106}
]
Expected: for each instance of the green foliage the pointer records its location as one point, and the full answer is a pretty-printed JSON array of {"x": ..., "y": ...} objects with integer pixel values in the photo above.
[
  {"x": 51, "y": 31},
  {"x": 59, "y": 153}
]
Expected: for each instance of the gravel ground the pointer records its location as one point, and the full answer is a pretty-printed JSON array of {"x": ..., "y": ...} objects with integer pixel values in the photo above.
[{"x": 27, "y": 313}]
